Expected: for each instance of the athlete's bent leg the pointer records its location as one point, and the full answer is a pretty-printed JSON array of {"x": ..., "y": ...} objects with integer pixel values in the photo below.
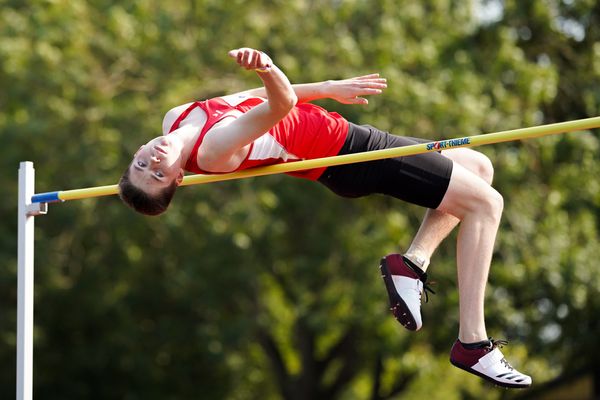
[
  {"x": 472, "y": 200},
  {"x": 479, "y": 207}
]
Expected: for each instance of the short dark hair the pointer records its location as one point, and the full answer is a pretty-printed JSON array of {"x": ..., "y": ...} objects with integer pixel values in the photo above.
[{"x": 141, "y": 201}]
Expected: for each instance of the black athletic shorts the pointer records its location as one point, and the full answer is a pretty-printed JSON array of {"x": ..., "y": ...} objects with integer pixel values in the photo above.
[{"x": 420, "y": 179}]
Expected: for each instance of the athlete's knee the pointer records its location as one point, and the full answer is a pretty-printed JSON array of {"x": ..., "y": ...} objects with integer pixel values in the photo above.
[
  {"x": 481, "y": 165},
  {"x": 476, "y": 162},
  {"x": 486, "y": 203},
  {"x": 491, "y": 204},
  {"x": 485, "y": 168},
  {"x": 467, "y": 195}
]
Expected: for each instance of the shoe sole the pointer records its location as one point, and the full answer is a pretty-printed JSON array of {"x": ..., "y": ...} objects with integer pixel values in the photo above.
[
  {"x": 397, "y": 305},
  {"x": 490, "y": 379}
]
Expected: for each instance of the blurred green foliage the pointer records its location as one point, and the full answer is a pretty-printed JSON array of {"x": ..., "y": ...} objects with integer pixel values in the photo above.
[{"x": 268, "y": 288}]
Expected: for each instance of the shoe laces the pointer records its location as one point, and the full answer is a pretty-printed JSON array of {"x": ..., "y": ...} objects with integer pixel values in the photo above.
[
  {"x": 499, "y": 344},
  {"x": 426, "y": 286},
  {"x": 422, "y": 277}
]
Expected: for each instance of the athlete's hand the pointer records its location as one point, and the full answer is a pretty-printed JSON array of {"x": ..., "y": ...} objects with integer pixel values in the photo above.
[
  {"x": 251, "y": 59},
  {"x": 349, "y": 91}
]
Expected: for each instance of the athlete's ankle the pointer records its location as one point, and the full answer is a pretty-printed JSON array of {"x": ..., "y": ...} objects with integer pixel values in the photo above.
[
  {"x": 475, "y": 337},
  {"x": 418, "y": 258}
]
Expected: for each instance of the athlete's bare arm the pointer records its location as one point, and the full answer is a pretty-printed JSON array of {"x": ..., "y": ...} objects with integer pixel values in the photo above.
[
  {"x": 345, "y": 91},
  {"x": 223, "y": 146}
]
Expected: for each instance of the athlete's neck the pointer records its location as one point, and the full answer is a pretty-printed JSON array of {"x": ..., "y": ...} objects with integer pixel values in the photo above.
[{"x": 188, "y": 135}]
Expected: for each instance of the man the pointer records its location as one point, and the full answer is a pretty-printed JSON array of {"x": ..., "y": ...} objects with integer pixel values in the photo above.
[{"x": 277, "y": 123}]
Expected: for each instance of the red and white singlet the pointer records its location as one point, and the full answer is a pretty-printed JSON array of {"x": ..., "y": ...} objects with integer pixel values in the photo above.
[{"x": 307, "y": 132}]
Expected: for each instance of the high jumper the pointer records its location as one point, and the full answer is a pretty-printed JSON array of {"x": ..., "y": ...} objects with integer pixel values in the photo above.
[{"x": 276, "y": 123}]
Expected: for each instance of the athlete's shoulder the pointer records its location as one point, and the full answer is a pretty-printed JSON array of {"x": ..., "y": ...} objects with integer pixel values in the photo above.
[{"x": 172, "y": 115}]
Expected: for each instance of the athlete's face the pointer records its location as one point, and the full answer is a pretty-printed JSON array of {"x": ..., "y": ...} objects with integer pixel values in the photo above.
[{"x": 157, "y": 164}]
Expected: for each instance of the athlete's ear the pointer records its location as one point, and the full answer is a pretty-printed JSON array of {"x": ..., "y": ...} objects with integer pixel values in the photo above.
[{"x": 179, "y": 178}]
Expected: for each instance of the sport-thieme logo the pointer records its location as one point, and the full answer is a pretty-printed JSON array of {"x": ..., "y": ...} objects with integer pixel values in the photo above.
[{"x": 445, "y": 144}]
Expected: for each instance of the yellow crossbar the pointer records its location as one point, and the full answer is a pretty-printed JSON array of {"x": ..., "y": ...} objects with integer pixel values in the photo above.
[{"x": 468, "y": 141}]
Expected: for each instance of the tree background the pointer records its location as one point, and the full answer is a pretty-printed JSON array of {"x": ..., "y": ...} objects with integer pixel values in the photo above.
[{"x": 268, "y": 288}]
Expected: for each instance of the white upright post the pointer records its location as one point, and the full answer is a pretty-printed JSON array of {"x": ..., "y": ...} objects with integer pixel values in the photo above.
[{"x": 27, "y": 212}]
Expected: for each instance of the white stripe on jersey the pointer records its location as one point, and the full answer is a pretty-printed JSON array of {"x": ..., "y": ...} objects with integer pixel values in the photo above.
[{"x": 266, "y": 147}]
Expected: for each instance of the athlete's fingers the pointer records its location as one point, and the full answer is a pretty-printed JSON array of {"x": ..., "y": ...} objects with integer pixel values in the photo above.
[
  {"x": 370, "y": 80},
  {"x": 238, "y": 54},
  {"x": 368, "y": 76},
  {"x": 371, "y": 85},
  {"x": 246, "y": 57},
  {"x": 250, "y": 58},
  {"x": 355, "y": 100},
  {"x": 373, "y": 78},
  {"x": 369, "y": 91},
  {"x": 233, "y": 53},
  {"x": 253, "y": 59}
]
